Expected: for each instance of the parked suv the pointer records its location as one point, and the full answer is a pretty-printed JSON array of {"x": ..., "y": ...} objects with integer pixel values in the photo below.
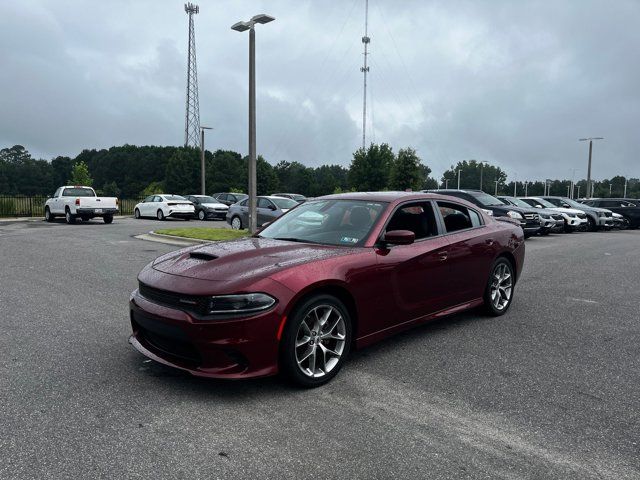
[
  {"x": 597, "y": 218},
  {"x": 549, "y": 221},
  {"x": 573, "y": 219},
  {"x": 626, "y": 208},
  {"x": 528, "y": 218}
]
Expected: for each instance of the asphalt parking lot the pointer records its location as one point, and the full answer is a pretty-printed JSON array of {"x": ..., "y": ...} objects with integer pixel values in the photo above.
[{"x": 550, "y": 390}]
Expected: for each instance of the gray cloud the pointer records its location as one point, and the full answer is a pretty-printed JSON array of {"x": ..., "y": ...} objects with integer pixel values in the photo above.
[{"x": 513, "y": 83}]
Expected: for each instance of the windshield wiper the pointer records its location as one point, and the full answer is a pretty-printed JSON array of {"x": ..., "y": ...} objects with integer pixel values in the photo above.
[{"x": 290, "y": 239}]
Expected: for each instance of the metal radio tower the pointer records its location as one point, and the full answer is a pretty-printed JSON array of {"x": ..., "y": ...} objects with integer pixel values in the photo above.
[
  {"x": 192, "y": 117},
  {"x": 365, "y": 70}
]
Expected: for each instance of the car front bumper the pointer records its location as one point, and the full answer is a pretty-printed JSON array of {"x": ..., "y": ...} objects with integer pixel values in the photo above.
[
  {"x": 215, "y": 214},
  {"x": 237, "y": 348},
  {"x": 180, "y": 214}
]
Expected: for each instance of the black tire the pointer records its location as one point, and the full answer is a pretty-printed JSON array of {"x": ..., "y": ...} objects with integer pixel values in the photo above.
[
  {"x": 107, "y": 219},
  {"x": 201, "y": 215},
  {"x": 186, "y": 219},
  {"x": 568, "y": 228},
  {"x": 160, "y": 215},
  {"x": 288, "y": 361},
  {"x": 48, "y": 216},
  {"x": 591, "y": 225},
  {"x": 85, "y": 219},
  {"x": 489, "y": 306},
  {"x": 71, "y": 219},
  {"x": 136, "y": 214}
]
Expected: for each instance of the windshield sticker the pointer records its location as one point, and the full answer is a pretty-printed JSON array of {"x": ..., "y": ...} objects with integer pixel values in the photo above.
[{"x": 349, "y": 240}]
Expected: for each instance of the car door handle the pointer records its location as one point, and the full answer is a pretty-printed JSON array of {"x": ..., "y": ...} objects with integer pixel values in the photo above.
[
  {"x": 489, "y": 241},
  {"x": 442, "y": 256}
]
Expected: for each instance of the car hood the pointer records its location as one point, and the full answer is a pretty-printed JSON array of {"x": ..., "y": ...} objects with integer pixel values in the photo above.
[
  {"x": 566, "y": 210},
  {"x": 246, "y": 258},
  {"x": 214, "y": 205}
]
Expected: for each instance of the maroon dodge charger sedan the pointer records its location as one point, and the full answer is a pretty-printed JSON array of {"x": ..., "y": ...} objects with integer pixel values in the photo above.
[{"x": 338, "y": 272}]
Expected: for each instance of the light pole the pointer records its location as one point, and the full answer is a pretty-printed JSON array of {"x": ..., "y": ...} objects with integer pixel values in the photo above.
[
  {"x": 481, "y": 169},
  {"x": 573, "y": 177},
  {"x": 496, "y": 182},
  {"x": 526, "y": 184},
  {"x": 515, "y": 185},
  {"x": 589, "y": 186},
  {"x": 568, "y": 188},
  {"x": 459, "y": 178},
  {"x": 242, "y": 27},
  {"x": 578, "y": 190},
  {"x": 625, "y": 188},
  {"x": 446, "y": 183},
  {"x": 202, "y": 186}
]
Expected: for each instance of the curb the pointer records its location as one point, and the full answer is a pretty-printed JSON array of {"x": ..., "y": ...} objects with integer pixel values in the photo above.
[{"x": 171, "y": 239}]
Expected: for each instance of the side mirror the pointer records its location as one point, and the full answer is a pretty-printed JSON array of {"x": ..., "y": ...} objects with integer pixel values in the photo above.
[
  {"x": 399, "y": 237},
  {"x": 272, "y": 207},
  {"x": 539, "y": 206}
]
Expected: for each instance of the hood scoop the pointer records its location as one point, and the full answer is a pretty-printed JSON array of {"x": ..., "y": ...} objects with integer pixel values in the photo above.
[{"x": 204, "y": 256}]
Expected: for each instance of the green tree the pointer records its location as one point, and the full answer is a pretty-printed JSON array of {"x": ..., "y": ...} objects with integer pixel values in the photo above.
[
  {"x": 406, "y": 171},
  {"x": 80, "y": 175},
  {"x": 369, "y": 170},
  {"x": 470, "y": 173},
  {"x": 181, "y": 173},
  {"x": 266, "y": 178},
  {"x": 152, "y": 189}
]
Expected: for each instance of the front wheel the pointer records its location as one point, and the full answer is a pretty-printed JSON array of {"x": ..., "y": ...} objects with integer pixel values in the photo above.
[
  {"x": 160, "y": 214},
  {"x": 136, "y": 214},
  {"x": 47, "y": 215},
  {"x": 107, "y": 219},
  {"x": 236, "y": 223},
  {"x": 201, "y": 215},
  {"x": 499, "y": 290},
  {"x": 591, "y": 224},
  {"x": 315, "y": 341}
]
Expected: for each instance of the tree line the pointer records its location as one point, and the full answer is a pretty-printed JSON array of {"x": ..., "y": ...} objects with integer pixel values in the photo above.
[{"x": 131, "y": 171}]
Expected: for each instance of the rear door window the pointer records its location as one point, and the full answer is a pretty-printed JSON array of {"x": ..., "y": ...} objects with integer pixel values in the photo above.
[{"x": 456, "y": 217}]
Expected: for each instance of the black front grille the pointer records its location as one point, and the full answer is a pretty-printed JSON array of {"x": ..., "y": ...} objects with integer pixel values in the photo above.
[
  {"x": 608, "y": 214},
  {"x": 531, "y": 216},
  {"x": 557, "y": 217},
  {"x": 167, "y": 345},
  {"x": 582, "y": 215},
  {"x": 180, "y": 301}
]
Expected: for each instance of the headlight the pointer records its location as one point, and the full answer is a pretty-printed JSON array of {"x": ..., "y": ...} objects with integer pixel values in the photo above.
[
  {"x": 245, "y": 303},
  {"x": 515, "y": 215},
  {"x": 601, "y": 214},
  {"x": 488, "y": 212},
  {"x": 545, "y": 216},
  {"x": 572, "y": 215}
]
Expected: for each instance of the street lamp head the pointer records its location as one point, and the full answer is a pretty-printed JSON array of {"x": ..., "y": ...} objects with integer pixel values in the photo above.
[
  {"x": 590, "y": 138},
  {"x": 205, "y": 128},
  {"x": 241, "y": 26},
  {"x": 262, "y": 18}
]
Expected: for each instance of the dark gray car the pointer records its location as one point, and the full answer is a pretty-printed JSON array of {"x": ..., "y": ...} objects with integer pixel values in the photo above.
[{"x": 268, "y": 209}]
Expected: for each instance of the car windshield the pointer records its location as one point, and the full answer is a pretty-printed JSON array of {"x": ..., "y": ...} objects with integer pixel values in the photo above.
[
  {"x": 207, "y": 199},
  {"x": 240, "y": 196},
  {"x": 78, "y": 192},
  {"x": 173, "y": 197},
  {"x": 543, "y": 202},
  {"x": 284, "y": 203},
  {"x": 572, "y": 203},
  {"x": 298, "y": 198},
  {"x": 328, "y": 222},
  {"x": 517, "y": 202},
  {"x": 487, "y": 200}
]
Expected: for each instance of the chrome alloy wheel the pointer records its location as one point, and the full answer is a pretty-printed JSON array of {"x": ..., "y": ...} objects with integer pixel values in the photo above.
[
  {"x": 320, "y": 341},
  {"x": 501, "y": 287}
]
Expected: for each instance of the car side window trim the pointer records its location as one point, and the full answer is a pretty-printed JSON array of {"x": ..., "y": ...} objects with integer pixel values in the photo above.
[
  {"x": 440, "y": 218},
  {"x": 402, "y": 205}
]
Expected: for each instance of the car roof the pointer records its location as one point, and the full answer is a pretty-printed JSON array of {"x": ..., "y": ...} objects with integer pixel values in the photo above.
[{"x": 385, "y": 196}]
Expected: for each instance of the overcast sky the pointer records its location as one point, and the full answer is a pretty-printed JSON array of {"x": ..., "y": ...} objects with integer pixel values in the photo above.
[{"x": 513, "y": 83}]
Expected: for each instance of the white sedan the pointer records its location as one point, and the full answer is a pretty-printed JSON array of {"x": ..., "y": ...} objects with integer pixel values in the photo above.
[{"x": 163, "y": 206}]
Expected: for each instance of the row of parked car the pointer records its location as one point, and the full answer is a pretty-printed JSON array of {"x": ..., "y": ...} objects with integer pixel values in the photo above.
[
  {"x": 542, "y": 215},
  {"x": 229, "y": 206}
]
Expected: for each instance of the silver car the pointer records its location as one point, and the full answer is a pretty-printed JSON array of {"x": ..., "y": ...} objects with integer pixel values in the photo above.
[{"x": 268, "y": 209}]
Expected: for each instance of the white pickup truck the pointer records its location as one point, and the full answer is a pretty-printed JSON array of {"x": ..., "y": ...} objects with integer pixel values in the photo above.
[{"x": 78, "y": 201}]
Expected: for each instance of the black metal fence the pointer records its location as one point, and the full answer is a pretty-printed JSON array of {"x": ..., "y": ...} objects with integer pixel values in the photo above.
[{"x": 33, "y": 206}]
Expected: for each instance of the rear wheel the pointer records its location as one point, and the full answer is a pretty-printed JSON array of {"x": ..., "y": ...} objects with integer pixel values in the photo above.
[
  {"x": 136, "y": 213},
  {"x": 107, "y": 219},
  {"x": 315, "y": 341},
  {"x": 71, "y": 219},
  {"x": 236, "y": 223},
  {"x": 160, "y": 214},
  {"x": 47, "y": 215},
  {"x": 499, "y": 290},
  {"x": 591, "y": 224}
]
